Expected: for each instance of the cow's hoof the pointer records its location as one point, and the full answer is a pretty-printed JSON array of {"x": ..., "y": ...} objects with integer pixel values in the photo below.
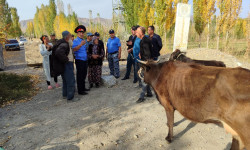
[{"x": 168, "y": 139}]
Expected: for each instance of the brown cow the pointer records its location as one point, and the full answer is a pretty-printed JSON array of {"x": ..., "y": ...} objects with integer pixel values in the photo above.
[
  {"x": 203, "y": 94},
  {"x": 180, "y": 56}
]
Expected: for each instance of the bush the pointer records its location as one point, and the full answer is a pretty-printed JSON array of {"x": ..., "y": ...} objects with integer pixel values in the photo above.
[{"x": 15, "y": 87}]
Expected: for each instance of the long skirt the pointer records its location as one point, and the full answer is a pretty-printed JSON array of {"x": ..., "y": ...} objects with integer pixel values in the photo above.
[{"x": 95, "y": 74}]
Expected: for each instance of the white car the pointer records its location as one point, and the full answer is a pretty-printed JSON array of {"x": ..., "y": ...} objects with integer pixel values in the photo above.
[{"x": 22, "y": 41}]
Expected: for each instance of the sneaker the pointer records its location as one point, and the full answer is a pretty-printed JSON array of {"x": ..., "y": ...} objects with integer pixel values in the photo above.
[
  {"x": 50, "y": 87},
  {"x": 74, "y": 100},
  {"x": 83, "y": 93},
  {"x": 86, "y": 89},
  {"x": 140, "y": 85},
  {"x": 57, "y": 85},
  {"x": 140, "y": 100},
  {"x": 135, "y": 81},
  {"x": 97, "y": 85}
]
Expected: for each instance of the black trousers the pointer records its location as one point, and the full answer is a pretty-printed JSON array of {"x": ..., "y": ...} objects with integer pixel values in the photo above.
[{"x": 81, "y": 74}]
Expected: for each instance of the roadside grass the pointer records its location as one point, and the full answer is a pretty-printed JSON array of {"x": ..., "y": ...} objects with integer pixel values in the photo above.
[{"x": 14, "y": 88}]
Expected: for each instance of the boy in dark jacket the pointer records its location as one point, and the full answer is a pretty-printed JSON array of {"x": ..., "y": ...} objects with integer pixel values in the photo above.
[{"x": 63, "y": 64}]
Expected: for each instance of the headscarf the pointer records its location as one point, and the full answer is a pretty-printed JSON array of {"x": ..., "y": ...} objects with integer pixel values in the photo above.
[
  {"x": 43, "y": 38},
  {"x": 93, "y": 39}
]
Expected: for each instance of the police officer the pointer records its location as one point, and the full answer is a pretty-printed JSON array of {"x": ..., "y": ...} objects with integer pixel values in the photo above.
[
  {"x": 113, "y": 54},
  {"x": 80, "y": 52}
]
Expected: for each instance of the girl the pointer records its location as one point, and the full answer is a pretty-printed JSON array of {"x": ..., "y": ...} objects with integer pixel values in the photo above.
[{"x": 45, "y": 50}]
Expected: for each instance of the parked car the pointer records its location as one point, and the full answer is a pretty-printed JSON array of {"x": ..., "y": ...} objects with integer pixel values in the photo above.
[
  {"x": 22, "y": 41},
  {"x": 12, "y": 44}
]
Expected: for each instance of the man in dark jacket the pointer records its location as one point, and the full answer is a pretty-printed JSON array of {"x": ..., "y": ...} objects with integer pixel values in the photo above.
[
  {"x": 63, "y": 64},
  {"x": 145, "y": 54},
  {"x": 156, "y": 42},
  {"x": 53, "y": 39},
  {"x": 130, "y": 58}
]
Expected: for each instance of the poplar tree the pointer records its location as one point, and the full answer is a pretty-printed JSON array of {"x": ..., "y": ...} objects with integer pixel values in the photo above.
[
  {"x": 160, "y": 8},
  {"x": 51, "y": 16},
  {"x": 30, "y": 29},
  {"x": 171, "y": 8},
  {"x": 129, "y": 15},
  {"x": 202, "y": 15},
  {"x": 233, "y": 8},
  {"x": 144, "y": 15},
  {"x": 5, "y": 16},
  {"x": 15, "y": 29}
]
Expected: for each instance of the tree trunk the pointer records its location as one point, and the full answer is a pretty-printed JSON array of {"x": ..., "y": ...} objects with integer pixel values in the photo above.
[
  {"x": 218, "y": 40},
  {"x": 1, "y": 58},
  {"x": 226, "y": 44},
  {"x": 247, "y": 53},
  {"x": 208, "y": 36},
  {"x": 199, "y": 40}
]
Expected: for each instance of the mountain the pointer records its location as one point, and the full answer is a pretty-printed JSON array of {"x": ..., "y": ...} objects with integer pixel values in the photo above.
[{"x": 83, "y": 21}]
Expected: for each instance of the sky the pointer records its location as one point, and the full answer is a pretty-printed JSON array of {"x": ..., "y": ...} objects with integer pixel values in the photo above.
[{"x": 27, "y": 8}]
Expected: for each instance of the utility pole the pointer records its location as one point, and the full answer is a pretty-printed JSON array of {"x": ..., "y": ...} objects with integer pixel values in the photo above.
[{"x": 118, "y": 19}]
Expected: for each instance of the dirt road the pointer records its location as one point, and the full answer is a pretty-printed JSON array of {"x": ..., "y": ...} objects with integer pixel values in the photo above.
[{"x": 107, "y": 118}]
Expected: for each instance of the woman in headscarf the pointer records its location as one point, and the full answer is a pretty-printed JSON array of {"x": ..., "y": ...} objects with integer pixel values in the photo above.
[
  {"x": 46, "y": 51},
  {"x": 95, "y": 59}
]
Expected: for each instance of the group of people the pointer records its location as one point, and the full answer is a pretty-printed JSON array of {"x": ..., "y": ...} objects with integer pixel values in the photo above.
[
  {"x": 88, "y": 56},
  {"x": 142, "y": 47},
  {"x": 60, "y": 55}
]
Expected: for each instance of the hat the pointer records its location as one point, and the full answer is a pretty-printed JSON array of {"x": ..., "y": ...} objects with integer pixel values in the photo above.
[
  {"x": 89, "y": 34},
  {"x": 65, "y": 33},
  {"x": 97, "y": 34},
  {"x": 80, "y": 28},
  {"x": 111, "y": 31},
  {"x": 53, "y": 34}
]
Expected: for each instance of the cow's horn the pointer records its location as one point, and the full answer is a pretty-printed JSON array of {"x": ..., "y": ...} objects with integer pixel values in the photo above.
[
  {"x": 142, "y": 62},
  {"x": 139, "y": 73}
]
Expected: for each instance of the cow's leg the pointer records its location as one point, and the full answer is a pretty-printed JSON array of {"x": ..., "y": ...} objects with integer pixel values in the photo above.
[
  {"x": 170, "y": 123},
  {"x": 235, "y": 144}
]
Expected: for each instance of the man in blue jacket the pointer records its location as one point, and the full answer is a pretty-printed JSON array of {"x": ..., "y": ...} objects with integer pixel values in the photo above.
[
  {"x": 136, "y": 52},
  {"x": 80, "y": 51},
  {"x": 113, "y": 54}
]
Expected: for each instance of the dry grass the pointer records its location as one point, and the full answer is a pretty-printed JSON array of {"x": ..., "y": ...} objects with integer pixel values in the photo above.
[{"x": 15, "y": 87}]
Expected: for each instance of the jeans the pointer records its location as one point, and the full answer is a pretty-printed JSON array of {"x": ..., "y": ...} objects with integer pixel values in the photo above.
[
  {"x": 81, "y": 74},
  {"x": 145, "y": 88},
  {"x": 68, "y": 81},
  {"x": 137, "y": 67},
  {"x": 114, "y": 65},
  {"x": 130, "y": 62}
]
